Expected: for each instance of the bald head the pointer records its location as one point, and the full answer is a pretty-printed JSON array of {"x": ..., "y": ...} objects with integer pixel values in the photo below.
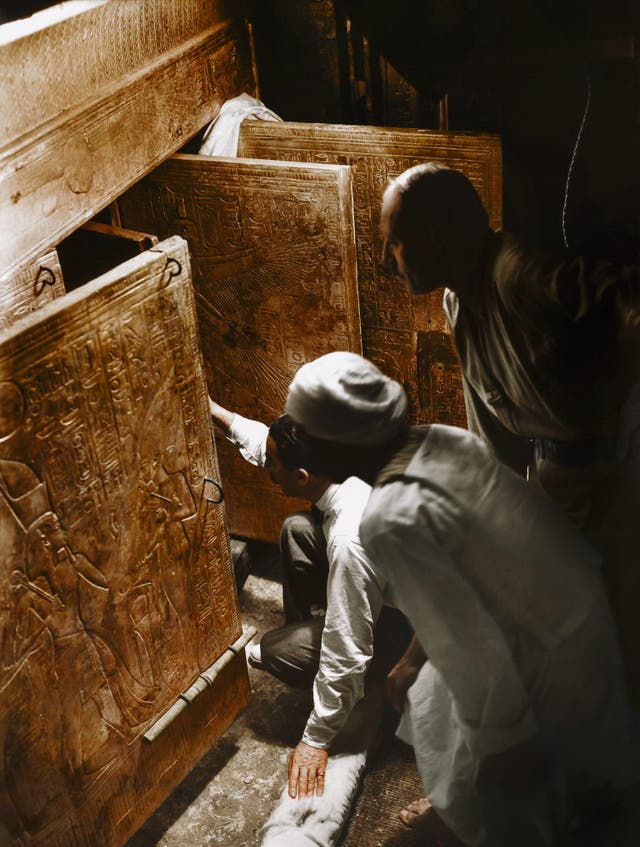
[{"x": 431, "y": 219}]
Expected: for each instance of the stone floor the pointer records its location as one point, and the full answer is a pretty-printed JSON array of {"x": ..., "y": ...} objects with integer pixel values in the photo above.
[{"x": 231, "y": 792}]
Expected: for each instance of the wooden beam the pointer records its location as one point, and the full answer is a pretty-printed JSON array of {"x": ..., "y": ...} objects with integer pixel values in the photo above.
[{"x": 76, "y": 136}]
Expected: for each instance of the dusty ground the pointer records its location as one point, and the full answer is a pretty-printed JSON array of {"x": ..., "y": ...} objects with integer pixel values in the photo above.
[
  {"x": 231, "y": 792},
  {"x": 229, "y": 795}
]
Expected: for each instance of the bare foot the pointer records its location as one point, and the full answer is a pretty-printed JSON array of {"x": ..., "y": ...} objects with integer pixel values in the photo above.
[
  {"x": 420, "y": 816},
  {"x": 417, "y": 813}
]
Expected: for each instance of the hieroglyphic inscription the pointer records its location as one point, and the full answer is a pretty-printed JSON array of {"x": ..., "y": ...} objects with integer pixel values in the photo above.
[
  {"x": 396, "y": 326},
  {"x": 116, "y": 588},
  {"x": 33, "y": 286},
  {"x": 273, "y": 254}
]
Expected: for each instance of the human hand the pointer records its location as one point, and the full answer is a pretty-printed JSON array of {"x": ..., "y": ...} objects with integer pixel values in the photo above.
[
  {"x": 307, "y": 766},
  {"x": 404, "y": 673},
  {"x": 399, "y": 680}
]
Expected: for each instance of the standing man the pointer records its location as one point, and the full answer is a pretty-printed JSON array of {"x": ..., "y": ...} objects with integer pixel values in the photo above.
[
  {"x": 549, "y": 351},
  {"x": 324, "y": 568},
  {"x": 519, "y": 718}
]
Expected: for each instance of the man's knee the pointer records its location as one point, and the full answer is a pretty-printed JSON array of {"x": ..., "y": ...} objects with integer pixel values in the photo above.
[
  {"x": 292, "y": 653},
  {"x": 297, "y": 527}
]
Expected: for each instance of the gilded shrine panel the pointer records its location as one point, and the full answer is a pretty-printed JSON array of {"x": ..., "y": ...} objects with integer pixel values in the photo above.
[
  {"x": 274, "y": 268},
  {"x": 116, "y": 586},
  {"x": 406, "y": 336}
]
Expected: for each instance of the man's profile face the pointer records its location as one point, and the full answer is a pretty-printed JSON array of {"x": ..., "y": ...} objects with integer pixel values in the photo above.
[
  {"x": 401, "y": 254},
  {"x": 288, "y": 480}
]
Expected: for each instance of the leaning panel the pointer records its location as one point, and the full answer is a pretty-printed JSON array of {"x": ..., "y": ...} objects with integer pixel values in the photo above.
[
  {"x": 94, "y": 96},
  {"x": 274, "y": 268},
  {"x": 406, "y": 336},
  {"x": 116, "y": 588}
]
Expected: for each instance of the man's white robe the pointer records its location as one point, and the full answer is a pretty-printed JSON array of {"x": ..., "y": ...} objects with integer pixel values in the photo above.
[{"x": 505, "y": 598}]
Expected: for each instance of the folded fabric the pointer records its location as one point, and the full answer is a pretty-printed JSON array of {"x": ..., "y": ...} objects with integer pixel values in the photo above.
[
  {"x": 222, "y": 134},
  {"x": 320, "y": 821},
  {"x": 317, "y": 821}
]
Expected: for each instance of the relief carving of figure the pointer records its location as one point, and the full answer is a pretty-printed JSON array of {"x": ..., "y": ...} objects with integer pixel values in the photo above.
[
  {"x": 92, "y": 724},
  {"x": 165, "y": 501},
  {"x": 61, "y": 726}
]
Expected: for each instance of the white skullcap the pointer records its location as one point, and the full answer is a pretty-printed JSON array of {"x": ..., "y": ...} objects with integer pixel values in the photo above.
[{"x": 344, "y": 397}]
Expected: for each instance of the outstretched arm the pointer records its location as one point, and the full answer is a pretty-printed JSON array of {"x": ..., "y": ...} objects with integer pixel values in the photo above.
[
  {"x": 250, "y": 437},
  {"x": 84, "y": 567},
  {"x": 221, "y": 416},
  {"x": 354, "y": 601}
]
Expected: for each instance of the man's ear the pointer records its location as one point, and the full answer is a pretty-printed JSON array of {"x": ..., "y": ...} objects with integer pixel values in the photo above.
[{"x": 302, "y": 477}]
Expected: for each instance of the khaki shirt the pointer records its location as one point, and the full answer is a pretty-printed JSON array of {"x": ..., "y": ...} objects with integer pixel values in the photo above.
[{"x": 548, "y": 349}]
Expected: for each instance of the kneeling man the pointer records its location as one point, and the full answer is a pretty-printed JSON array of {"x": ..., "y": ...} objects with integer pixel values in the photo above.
[
  {"x": 336, "y": 605},
  {"x": 520, "y": 716}
]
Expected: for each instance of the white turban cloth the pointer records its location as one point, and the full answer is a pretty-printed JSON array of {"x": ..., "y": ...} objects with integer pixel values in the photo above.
[{"x": 344, "y": 397}]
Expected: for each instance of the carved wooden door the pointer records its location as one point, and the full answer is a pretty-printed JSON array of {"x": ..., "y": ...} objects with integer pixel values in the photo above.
[
  {"x": 274, "y": 267},
  {"x": 117, "y": 597},
  {"x": 406, "y": 336}
]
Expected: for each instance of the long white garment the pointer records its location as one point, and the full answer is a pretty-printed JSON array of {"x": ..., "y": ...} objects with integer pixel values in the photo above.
[
  {"x": 222, "y": 134},
  {"x": 505, "y": 598},
  {"x": 355, "y": 595}
]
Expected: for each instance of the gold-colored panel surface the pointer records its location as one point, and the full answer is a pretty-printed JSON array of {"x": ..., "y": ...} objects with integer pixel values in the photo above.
[
  {"x": 78, "y": 133},
  {"x": 273, "y": 255},
  {"x": 406, "y": 336},
  {"x": 33, "y": 286},
  {"x": 116, "y": 586},
  {"x": 125, "y": 37}
]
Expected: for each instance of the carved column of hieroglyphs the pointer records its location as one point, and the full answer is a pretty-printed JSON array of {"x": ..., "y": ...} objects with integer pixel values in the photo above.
[
  {"x": 116, "y": 587},
  {"x": 406, "y": 336},
  {"x": 273, "y": 252}
]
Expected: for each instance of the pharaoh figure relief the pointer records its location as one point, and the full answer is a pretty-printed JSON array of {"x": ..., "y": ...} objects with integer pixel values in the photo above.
[{"x": 116, "y": 587}]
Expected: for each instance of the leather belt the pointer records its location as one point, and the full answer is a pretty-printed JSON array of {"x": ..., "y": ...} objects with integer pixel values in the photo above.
[{"x": 574, "y": 453}]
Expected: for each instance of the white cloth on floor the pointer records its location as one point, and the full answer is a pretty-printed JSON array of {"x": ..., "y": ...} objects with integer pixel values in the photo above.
[
  {"x": 505, "y": 598},
  {"x": 320, "y": 821},
  {"x": 222, "y": 134},
  {"x": 317, "y": 821}
]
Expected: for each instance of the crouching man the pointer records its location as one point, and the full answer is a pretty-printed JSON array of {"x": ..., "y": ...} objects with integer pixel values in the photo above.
[
  {"x": 519, "y": 718},
  {"x": 335, "y": 603}
]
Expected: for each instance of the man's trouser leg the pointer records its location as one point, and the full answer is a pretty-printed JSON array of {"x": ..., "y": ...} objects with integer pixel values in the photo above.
[
  {"x": 292, "y": 652},
  {"x": 303, "y": 549}
]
